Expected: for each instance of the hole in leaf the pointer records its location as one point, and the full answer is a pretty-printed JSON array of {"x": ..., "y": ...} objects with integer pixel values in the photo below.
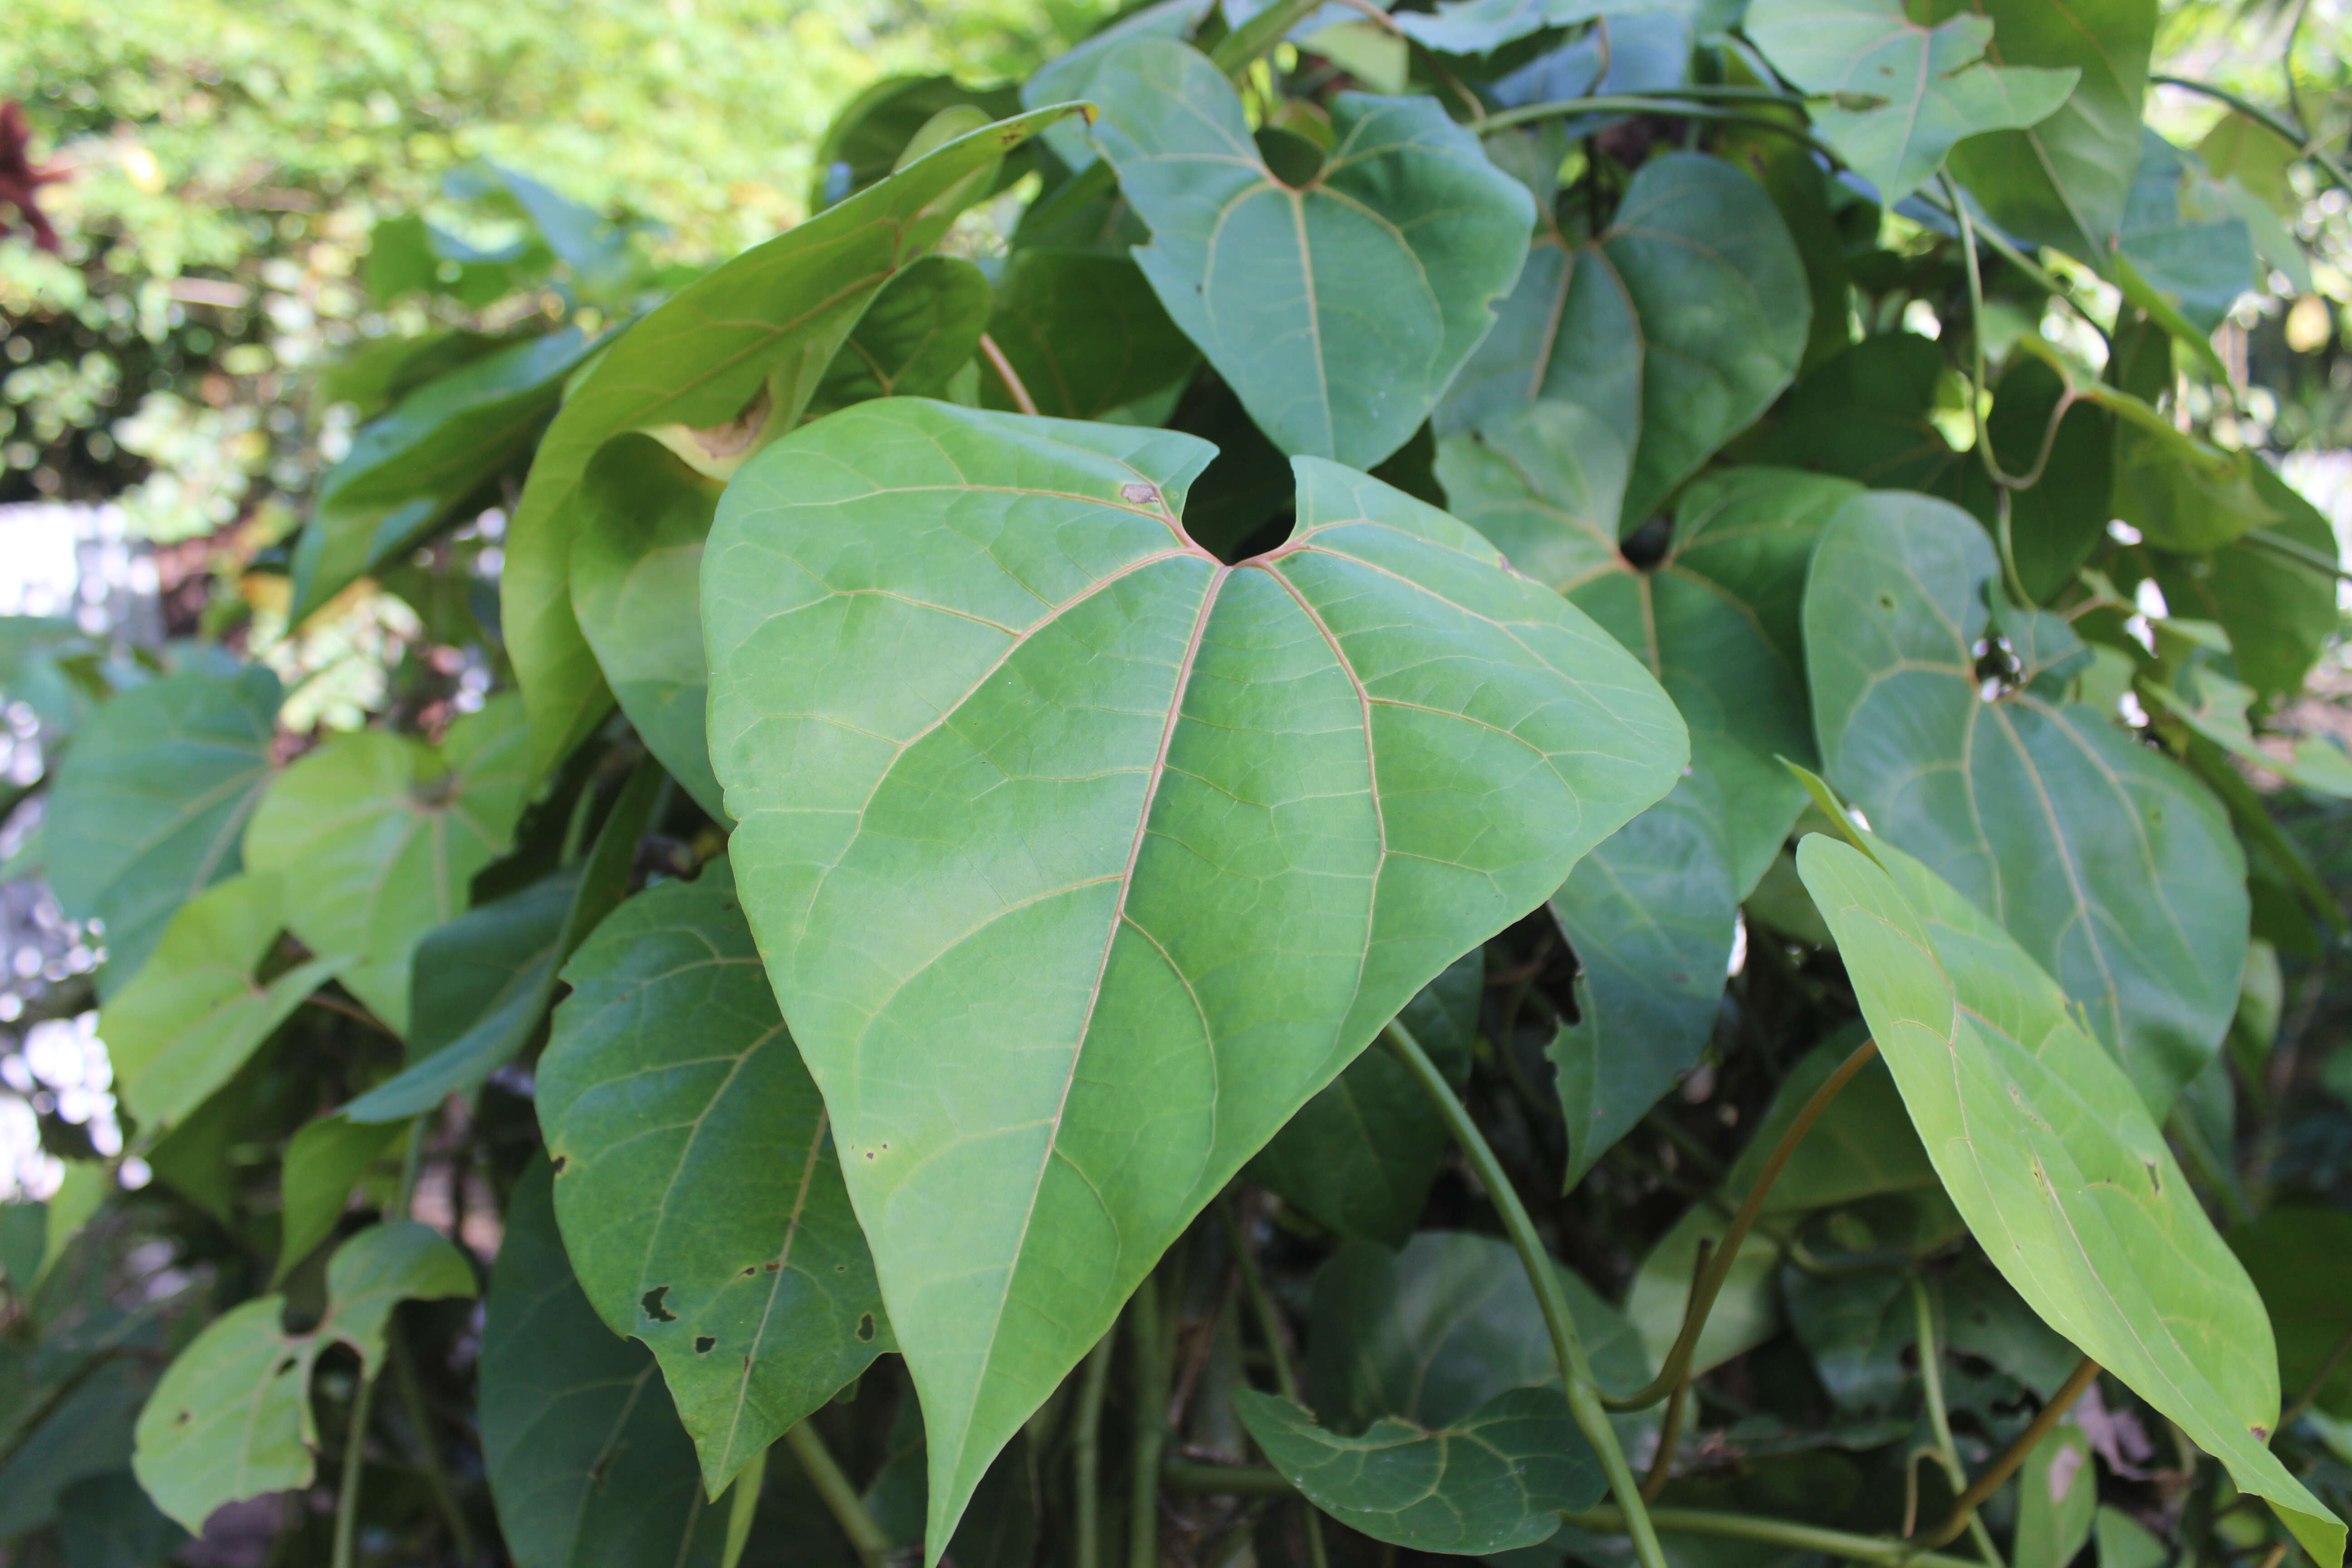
[
  {"x": 1647, "y": 545},
  {"x": 652, "y": 1303},
  {"x": 750, "y": 1270},
  {"x": 1886, "y": 602},
  {"x": 703, "y": 1343},
  {"x": 866, "y": 1327},
  {"x": 561, "y": 1160},
  {"x": 2154, "y": 1182}
]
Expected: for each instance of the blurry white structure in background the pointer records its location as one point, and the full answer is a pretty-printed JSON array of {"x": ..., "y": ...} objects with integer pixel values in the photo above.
[{"x": 2324, "y": 480}]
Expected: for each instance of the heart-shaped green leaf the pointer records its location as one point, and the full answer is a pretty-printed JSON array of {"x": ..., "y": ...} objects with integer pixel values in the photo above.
[
  {"x": 1495, "y": 1480},
  {"x": 231, "y": 1418},
  {"x": 378, "y": 834},
  {"x": 1338, "y": 308},
  {"x": 1899, "y": 94},
  {"x": 2044, "y": 1143},
  {"x": 2279, "y": 613},
  {"x": 669, "y": 1072},
  {"x": 587, "y": 1463},
  {"x": 1361, "y": 1155},
  {"x": 149, "y": 805},
  {"x": 2062, "y": 180},
  {"x": 2109, "y": 862},
  {"x": 710, "y": 370},
  {"x": 193, "y": 1014},
  {"x": 409, "y": 471},
  {"x": 325, "y": 1161},
  {"x": 1054, "y": 828},
  {"x": 1672, "y": 332}
]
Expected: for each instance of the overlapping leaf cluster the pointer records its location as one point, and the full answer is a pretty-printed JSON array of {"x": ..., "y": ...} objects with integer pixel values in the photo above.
[{"x": 1312, "y": 792}]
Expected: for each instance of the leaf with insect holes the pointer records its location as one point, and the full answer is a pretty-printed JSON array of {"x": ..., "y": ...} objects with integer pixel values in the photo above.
[
  {"x": 1081, "y": 859},
  {"x": 670, "y": 1073}
]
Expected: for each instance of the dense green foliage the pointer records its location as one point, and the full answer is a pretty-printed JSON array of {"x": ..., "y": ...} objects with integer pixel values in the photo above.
[{"x": 1502, "y": 781}]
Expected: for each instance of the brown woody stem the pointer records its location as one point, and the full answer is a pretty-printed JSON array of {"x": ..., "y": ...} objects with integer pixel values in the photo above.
[{"x": 1965, "y": 1506}]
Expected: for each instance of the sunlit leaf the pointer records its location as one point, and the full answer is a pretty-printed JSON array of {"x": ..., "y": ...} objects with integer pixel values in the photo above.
[
  {"x": 376, "y": 835},
  {"x": 149, "y": 805},
  {"x": 231, "y": 1419},
  {"x": 325, "y": 1161},
  {"x": 1339, "y": 307},
  {"x": 196, "y": 1011},
  {"x": 1043, "y": 783},
  {"x": 1899, "y": 94}
]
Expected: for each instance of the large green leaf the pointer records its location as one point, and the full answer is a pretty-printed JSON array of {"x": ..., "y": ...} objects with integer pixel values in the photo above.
[
  {"x": 2046, "y": 1148},
  {"x": 1495, "y": 1480},
  {"x": 1899, "y": 94},
  {"x": 148, "y": 807},
  {"x": 699, "y": 1192},
  {"x": 587, "y": 1463},
  {"x": 1864, "y": 415},
  {"x": 1085, "y": 333},
  {"x": 733, "y": 357},
  {"x": 2064, "y": 180},
  {"x": 2298, "y": 1255},
  {"x": 1072, "y": 75},
  {"x": 1028, "y": 783},
  {"x": 406, "y": 474},
  {"x": 863, "y": 144},
  {"x": 1361, "y": 1155},
  {"x": 1671, "y": 332},
  {"x": 377, "y": 835},
  {"x": 1482, "y": 26},
  {"x": 194, "y": 1012},
  {"x": 231, "y": 1418},
  {"x": 1338, "y": 308},
  {"x": 2184, "y": 240},
  {"x": 2111, "y": 864}
]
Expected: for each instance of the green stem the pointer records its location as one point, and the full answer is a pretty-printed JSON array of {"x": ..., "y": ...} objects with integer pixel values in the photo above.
[
  {"x": 1575, "y": 1372},
  {"x": 1150, "y": 1417},
  {"x": 1726, "y": 1252},
  {"x": 1878, "y": 1551},
  {"x": 1964, "y": 1506},
  {"x": 1086, "y": 1458},
  {"x": 1940, "y": 1417},
  {"x": 428, "y": 1453},
  {"x": 347, "y": 1504},
  {"x": 1269, "y": 1327},
  {"x": 742, "y": 1507},
  {"x": 840, "y": 1497},
  {"x": 2295, "y": 550},
  {"x": 2305, "y": 146}
]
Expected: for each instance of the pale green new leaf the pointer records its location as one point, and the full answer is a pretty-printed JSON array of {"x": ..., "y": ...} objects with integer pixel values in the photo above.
[
  {"x": 231, "y": 1418},
  {"x": 710, "y": 369},
  {"x": 1671, "y": 332},
  {"x": 1361, "y": 1155},
  {"x": 1081, "y": 859},
  {"x": 2047, "y": 1150},
  {"x": 2109, "y": 861},
  {"x": 377, "y": 836},
  {"x": 1898, "y": 95},
  {"x": 587, "y": 1463},
  {"x": 2064, "y": 180},
  {"x": 194, "y": 1012},
  {"x": 701, "y": 1195},
  {"x": 409, "y": 473},
  {"x": 1337, "y": 309},
  {"x": 1497, "y": 1479},
  {"x": 149, "y": 804}
]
